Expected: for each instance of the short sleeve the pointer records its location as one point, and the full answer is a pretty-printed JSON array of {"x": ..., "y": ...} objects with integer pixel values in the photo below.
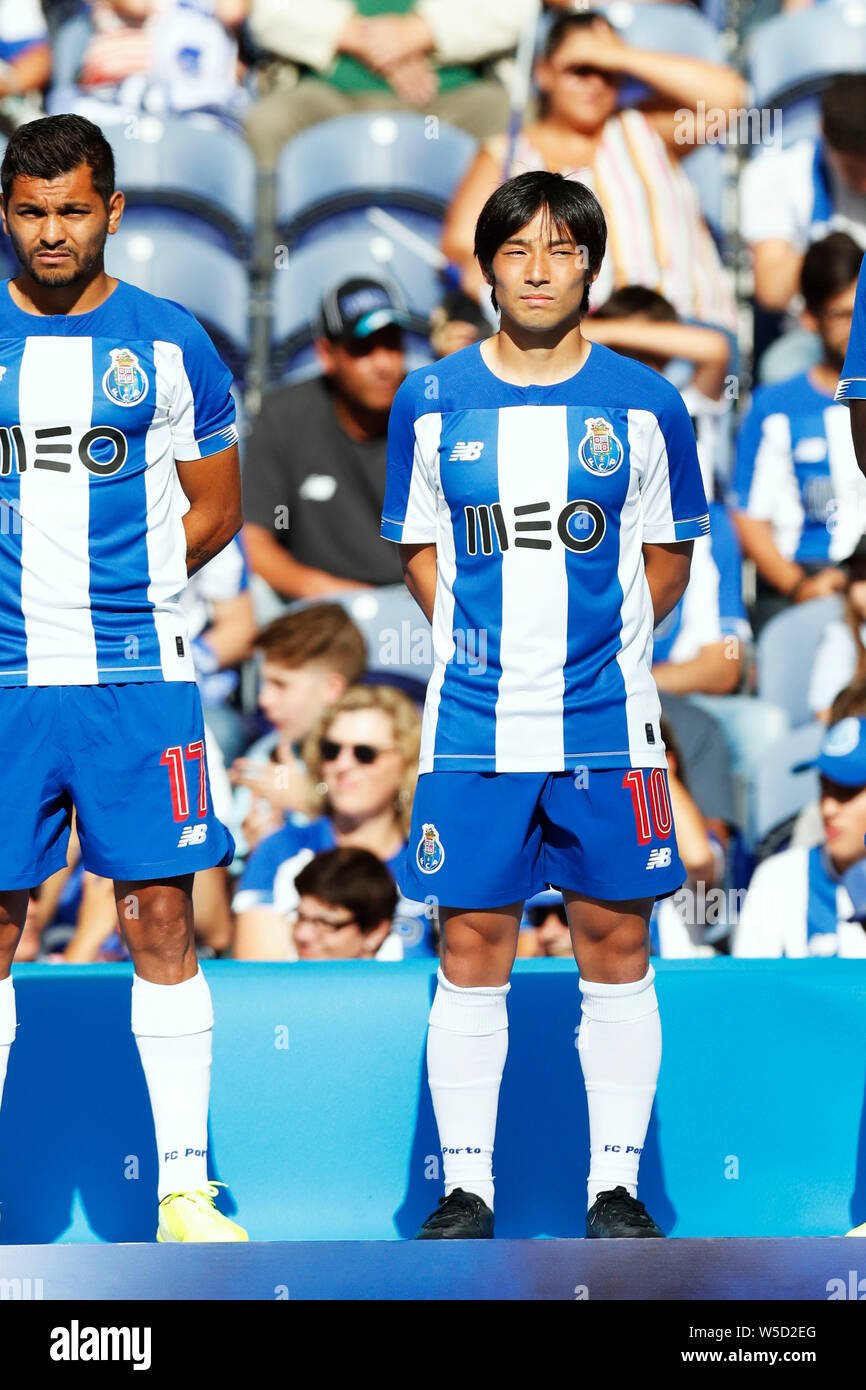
[
  {"x": 674, "y": 502},
  {"x": 409, "y": 515},
  {"x": 202, "y": 415},
  {"x": 852, "y": 383}
]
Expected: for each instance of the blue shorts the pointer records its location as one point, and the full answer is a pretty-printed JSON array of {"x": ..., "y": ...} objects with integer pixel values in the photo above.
[
  {"x": 484, "y": 839},
  {"x": 129, "y": 758}
]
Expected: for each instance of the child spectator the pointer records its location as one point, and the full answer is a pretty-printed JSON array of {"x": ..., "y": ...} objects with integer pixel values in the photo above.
[
  {"x": 363, "y": 761},
  {"x": 798, "y": 495},
  {"x": 308, "y": 660},
  {"x": 346, "y": 904}
]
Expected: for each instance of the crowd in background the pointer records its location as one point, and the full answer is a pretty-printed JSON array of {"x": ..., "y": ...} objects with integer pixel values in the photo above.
[{"x": 313, "y": 729}]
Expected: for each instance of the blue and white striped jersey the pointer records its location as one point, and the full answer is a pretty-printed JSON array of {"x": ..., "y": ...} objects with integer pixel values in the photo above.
[
  {"x": 539, "y": 500},
  {"x": 94, "y": 410},
  {"x": 796, "y": 467}
]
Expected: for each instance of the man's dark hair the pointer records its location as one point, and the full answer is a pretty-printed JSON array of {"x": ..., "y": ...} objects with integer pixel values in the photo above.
[
  {"x": 55, "y": 145},
  {"x": 571, "y": 206},
  {"x": 843, "y": 113},
  {"x": 631, "y": 300},
  {"x": 353, "y": 879},
  {"x": 829, "y": 267},
  {"x": 566, "y": 22}
]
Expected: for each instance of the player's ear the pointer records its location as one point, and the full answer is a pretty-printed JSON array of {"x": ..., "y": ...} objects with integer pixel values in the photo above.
[{"x": 116, "y": 204}]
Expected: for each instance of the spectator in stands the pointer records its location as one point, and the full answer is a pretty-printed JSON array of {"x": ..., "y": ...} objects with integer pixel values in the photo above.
[
  {"x": 25, "y": 62},
  {"x": 221, "y": 626},
  {"x": 363, "y": 760},
  {"x": 165, "y": 55},
  {"x": 639, "y": 322},
  {"x": 627, "y": 157},
  {"x": 336, "y": 57},
  {"x": 544, "y": 929},
  {"x": 808, "y": 826},
  {"x": 308, "y": 659},
  {"x": 792, "y": 197},
  {"x": 841, "y": 654},
  {"x": 457, "y": 323},
  {"x": 798, "y": 496},
  {"x": 346, "y": 904},
  {"x": 314, "y": 475},
  {"x": 799, "y": 901}
]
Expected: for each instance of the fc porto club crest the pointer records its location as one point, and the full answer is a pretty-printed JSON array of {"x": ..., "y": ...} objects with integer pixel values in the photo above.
[
  {"x": 430, "y": 854},
  {"x": 125, "y": 382},
  {"x": 600, "y": 451}
]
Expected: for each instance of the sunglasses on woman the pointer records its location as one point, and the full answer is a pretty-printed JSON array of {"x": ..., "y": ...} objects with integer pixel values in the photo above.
[{"x": 365, "y": 753}]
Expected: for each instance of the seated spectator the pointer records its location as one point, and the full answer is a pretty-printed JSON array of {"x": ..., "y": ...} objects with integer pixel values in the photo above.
[
  {"x": 628, "y": 157},
  {"x": 346, "y": 903},
  {"x": 308, "y": 661},
  {"x": 25, "y": 62},
  {"x": 221, "y": 626},
  {"x": 314, "y": 474},
  {"x": 640, "y": 323},
  {"x": 798, "y": 903},
  {"x": 363, "y": 760},
  {"x": 790, "y": 198},
  {"x": 841, "y": 654},
  {"x": 334, "y": 58},
  {"x": 456, "y": 323},
  {"x": 705, "y": 752},
  {"x": 165, "y": 55},
  {"x": 798, "y": 496},
  {"x": 678, "y": 925}
]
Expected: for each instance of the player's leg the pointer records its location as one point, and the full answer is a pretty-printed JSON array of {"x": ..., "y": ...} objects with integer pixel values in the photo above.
[
  {"x": 473, "y": 841},
  {"x": 620, "y": 1047},
  {"x": 13, "y": 911}
]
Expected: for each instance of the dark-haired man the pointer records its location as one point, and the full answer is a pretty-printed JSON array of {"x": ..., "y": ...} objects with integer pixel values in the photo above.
[
  {"x": 113, "y": 406},
  {"x": 346, "y": 904},
  {"x": 798, "y": 499},
  {"x": 545, "y": 492}
]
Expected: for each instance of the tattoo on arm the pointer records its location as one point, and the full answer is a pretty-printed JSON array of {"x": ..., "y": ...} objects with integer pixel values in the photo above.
[{"x": 198, "y": 555}]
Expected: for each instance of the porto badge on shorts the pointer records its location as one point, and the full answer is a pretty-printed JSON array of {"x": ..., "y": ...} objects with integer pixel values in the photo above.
[
  {"x": 125, "y": 382},
  {"x": 430, "y": 854},
  {"x": 600, "y": 451}
]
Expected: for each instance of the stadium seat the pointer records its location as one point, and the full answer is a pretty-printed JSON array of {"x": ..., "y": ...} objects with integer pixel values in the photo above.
[
  {"x": 795, "y": 55},
  {"x": 386, "y": 159},
  {"x": 68, "y": 47},
  {"x": 706, "y": 170},
  {"x": 298, "y": 286},
  {"x": 194, "y": 164},
  {"x": 667, "y": 28},
  {"x": 784, "y": 783},
  {"x": 786, "y": 651},
  {"x": 207, "y": 280},
  {"x": 396, "y": 633}
]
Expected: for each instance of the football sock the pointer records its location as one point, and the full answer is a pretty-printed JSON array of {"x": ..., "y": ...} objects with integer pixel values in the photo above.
[
  {"x": 7, "y": 1026},
  {"x": 467, "y": 1043},
  {"x": 173, "y": 1028},
  {"x": 620, "y": 1046}
]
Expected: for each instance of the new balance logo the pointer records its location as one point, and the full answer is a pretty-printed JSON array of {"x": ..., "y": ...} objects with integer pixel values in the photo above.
[
  {"x": 659, "y": 859},
  {"x": 192, "y": 835},
  {"x": 466, "y": 450}
]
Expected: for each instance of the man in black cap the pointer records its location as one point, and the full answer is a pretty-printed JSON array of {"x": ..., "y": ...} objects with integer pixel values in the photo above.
[{"x": 314, "y": 474}]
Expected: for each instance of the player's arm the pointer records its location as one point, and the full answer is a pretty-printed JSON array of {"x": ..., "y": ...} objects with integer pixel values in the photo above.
[
  {"x": 667, "y": 570},
  {"x": 858, "y": 432},
  {"x": 213, "y": 487},
  {"x": 419, "y": 573}
]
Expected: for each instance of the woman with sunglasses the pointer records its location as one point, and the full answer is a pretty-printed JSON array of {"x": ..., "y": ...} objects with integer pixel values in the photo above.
[
  {"x": 629, "y": 157},
  {"x": 363, "y": 763}
]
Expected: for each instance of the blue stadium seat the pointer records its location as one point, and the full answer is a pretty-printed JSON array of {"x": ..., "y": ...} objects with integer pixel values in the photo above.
[
  {"x": 794, "y": 55},
  {"x": 784, "y": 783},
  {"x": 68, "y": 47},
  {"x": 206, "y": 279},
  {"x": 387, "y": 159},
  {"x": 785, "y": 653},
  {"x": 396, "y": 633},
  {"x": 297, "y": 289},
  {"x": 706, "y": 170},
  {"x": 667, "y": 28},
  {"x": 192, "y": 163}
]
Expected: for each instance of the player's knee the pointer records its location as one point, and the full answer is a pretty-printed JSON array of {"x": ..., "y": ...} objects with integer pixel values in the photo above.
[{"x": 164, "y": 926}]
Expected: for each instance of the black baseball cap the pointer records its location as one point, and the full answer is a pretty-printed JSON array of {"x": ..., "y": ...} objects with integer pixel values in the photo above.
[{"x": 358, "y": 307}]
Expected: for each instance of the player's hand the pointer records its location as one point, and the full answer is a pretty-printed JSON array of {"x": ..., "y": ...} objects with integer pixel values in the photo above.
[
  {"x": 826, "y": 581},
  {"x": 413, "y": 80}
]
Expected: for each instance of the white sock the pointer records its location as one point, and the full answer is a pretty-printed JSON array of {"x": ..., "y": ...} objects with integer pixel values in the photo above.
[
  {"x": 173, "y": 1027},
  {"x": 8, "y": 1023},
  {"x": 467, "y": 1043},
  {"x": 620, "y": 1046}
]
